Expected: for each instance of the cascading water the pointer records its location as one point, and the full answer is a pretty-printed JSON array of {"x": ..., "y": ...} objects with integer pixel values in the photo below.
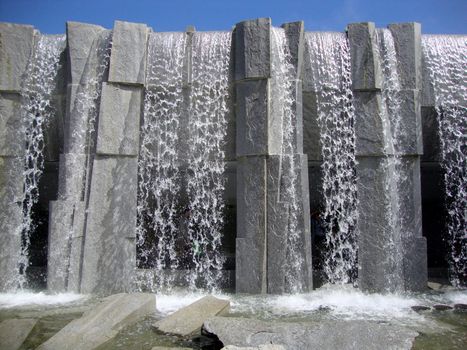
[
  {"x": 331, "y": 75},
  {"x": 207, "y": 127},
  {"x": 159, "y": 164},
  {"x": 446, "y": 60},
  {"x": 391, "y": 114},
  {"x": 181, "y": 188},
  {"x": 38, "y": 109},
  {"x": 283, "y": 75}
]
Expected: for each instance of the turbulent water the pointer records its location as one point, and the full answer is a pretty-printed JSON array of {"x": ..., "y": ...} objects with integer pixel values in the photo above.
[
  {"x": 283, "y": 75},
  {"x": 207, "y": 127},
  {"x": 394, "y": 176},
  {"x": 38, "y": 109},
  {"x": 446, "y": 60},
  {"x": 331, "y": 76},
  {"x": 159, "y": 166},
  {"x": 182, "y": 160}
]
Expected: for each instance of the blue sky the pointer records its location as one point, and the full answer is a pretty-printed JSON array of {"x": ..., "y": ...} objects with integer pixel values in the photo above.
[{"x": 49, "y": 16}]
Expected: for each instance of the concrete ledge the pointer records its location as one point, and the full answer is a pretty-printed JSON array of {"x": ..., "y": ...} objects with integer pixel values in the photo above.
[
  {"x": 190, "y": 319},
  {"x": 102, "y": 323},
  {"x": 13, "y": 332}
]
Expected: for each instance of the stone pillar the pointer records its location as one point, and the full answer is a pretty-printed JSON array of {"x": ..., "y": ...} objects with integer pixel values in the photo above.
[
  {"x": 67, "y": 214},
  {"x": 262, "y": 217},
  {"x": 388, "y": 256},
  {"x": 109, "y": 256},
  {"x": 16, "y": 49},
  {"x": 407, "y": 41}
]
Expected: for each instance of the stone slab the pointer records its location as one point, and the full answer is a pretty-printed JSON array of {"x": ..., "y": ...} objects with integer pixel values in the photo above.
[
  {"x": 12, "y": 131},
  {"x": 380, "y": 268},
  {"x": 11, "y": 218},
  {"x": 119, "y": 118},
  {"x": 13, "y": 332},
  {"x": 16, "y": 48},
  {"x": 261, "y": 347},
  {"x": 129, "y": 49},
  {"x": 71, "y": 176},
  {"x": 325, "y": 335},
  {"x": 295, "y": 33},
  {"x": 430, "y": 133},
  {"x": 109, "y": 257},
  {"x": 253, "y": 49},
  {"x": 252, "y": 111},
  {"x": 190, "y": 319},
  {"x": 102, "y": 322},
  {"x": 410, "y": 140},
  {"x": 80, "y": 39},
  {"x": 311, "y": 130},
  {"x": 251, "y": 225},
  {"x": 66, "y": 221},
  {"x": 369, "y": 125},
  {"x": 408, "y": 45},
  {"x": 415, "y": 264},
  {"x": 366, "y": 68}
]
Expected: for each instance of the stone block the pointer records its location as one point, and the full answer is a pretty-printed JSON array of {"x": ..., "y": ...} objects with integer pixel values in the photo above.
[
  {"x": 251, "y": 225},
  {"x": 109, "y": 257},
  {"x": 380, "y": 267},
  {"x": 295, "y": 33},
  {"x": 103, "y": 322},
  {"x": 13, "y": 332},
  {"x": 16, "y": 48},
  {"x": 119, "y": 117},
  {"x": 430, "y": 134},
  {"x": 311, "y": 130},
  {"x": 11, "y": 195},
  {"x": 190, "y": 319},
  {"x": 80, "y": 39},
  {"x": 253, "y": 49},
  {"x": 369, "y": 125},
  {"x": 297, "y": 107},
  {"x": 415, "y": 264},
  {"x": 366, "y": 67},
  {"x": 410, "y": 128},
  {"x": 325, "y": 335},
  {"x": 408, "y": 45},
  {"x": 12, "y": 131},
  {"x": 129, "y": 49},
  {"x": 71, "y": 179},
  {"x": 252, "y": 118},
  {"x": 66, "y": 222},
  {"x": 277, "y": 226}
]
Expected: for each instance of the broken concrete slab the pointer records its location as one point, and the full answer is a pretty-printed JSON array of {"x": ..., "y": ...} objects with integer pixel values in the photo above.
[
  {"x": 325, "y": 335},
  {"x": 261, "y": 347},
  {"x": 190, "y": 319},
  {"x": 13, "y": 332},
  {"x": 103, "y": 322}
]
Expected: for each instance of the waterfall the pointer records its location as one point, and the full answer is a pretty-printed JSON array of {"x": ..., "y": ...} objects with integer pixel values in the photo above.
[
  {"x": 394, "y": 176},
  {"x": 182, "y": 158},
  {"x": 207, "y": 127},
  {"x": 159, "y": 165},
  {"x": 283, "y": 75},
  {"x": 331, "y": 76},
  {"x": 446, "y": 61},
  {"x": 38, "y": 109}
]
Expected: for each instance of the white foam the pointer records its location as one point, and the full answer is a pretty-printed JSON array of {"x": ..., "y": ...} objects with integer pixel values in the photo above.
[
  {"x": 9, "y": 300},
  {"x": 457, "y": 297},
  {"x": 169, "y": 303}
]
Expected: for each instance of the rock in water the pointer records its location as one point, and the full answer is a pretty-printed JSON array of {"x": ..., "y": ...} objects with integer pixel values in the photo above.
[
  {"x": 14, "y": 332},
  {"x": 99, "y": 325},
  {"x": 325, "y": 335},
  {"x": 189, "y": 319},
  {"x": 442, "y": 307}
]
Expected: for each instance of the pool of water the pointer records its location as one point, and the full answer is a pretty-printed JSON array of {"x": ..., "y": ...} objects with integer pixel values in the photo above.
[{"x": 437, "y": 329}]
